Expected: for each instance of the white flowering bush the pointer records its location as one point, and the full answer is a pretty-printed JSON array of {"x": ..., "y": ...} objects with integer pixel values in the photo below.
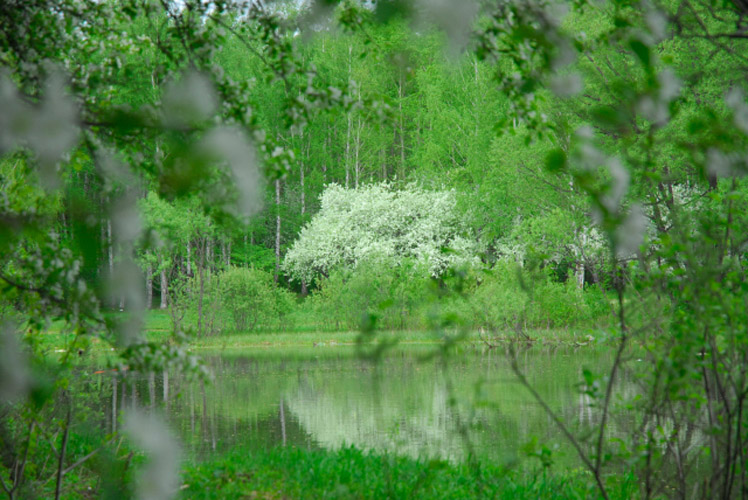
[{"x": 379, "y": 221}]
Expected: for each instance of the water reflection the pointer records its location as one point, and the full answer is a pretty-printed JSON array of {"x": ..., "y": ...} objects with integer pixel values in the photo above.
[{"x": 328, "y": 398}]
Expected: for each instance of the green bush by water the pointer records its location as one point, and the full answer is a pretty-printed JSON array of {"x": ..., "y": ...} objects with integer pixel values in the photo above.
[{"x": 401, "y": 296}]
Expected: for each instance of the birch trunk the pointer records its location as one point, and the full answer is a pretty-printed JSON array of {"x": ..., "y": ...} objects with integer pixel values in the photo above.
[
  {"x": 164, "y": 290},
  {"x": 148, "y": 287},
  {"x": 402, "y": 126},
  {"x": 189, "y": 260},
  {"x": 348, "y": 128},
  {"x": 201, "y": 292},
  {"x": 357, "y": 165},
  {"x": 301, "y": 177},
  {"x": 277, "y": 230}
]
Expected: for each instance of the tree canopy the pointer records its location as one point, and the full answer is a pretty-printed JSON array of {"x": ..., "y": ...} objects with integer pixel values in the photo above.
[{"x": 379, "y": 222}]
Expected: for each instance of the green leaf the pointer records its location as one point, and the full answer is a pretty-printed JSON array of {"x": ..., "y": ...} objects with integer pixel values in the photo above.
[
  {"x": 642, "y": 52},
  {"x": 555, "y": 161}
]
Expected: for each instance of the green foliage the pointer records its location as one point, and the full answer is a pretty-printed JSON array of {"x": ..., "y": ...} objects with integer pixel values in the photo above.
[
  {"x": 619, "y": 159},
  {"x": 393, "y": 292},
  {"x": 251, "y": 298},
  {"x": 351, "y": 473},
  {"x": 241, "y": 300},
  {"x": 510, "y": 297}
]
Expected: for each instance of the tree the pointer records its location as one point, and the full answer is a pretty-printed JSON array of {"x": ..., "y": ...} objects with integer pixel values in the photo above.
[
  {"x": 378, "y": 221},
  {"x": 639, "y": 131},
  {"x": 114, "y": 100}
]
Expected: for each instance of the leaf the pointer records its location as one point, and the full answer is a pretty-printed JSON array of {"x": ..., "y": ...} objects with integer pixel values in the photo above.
[
  {"x": 555, "y": 161},
  {"x": 641, "y": 51}
]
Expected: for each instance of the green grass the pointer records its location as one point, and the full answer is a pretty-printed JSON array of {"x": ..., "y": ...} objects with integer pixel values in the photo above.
[
  {"x": 351, "y": 473},
  {"x": 157, "y": 327}
]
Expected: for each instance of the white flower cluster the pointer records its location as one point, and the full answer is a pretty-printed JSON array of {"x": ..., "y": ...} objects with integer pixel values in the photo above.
[{"x": 377, "y": 221}]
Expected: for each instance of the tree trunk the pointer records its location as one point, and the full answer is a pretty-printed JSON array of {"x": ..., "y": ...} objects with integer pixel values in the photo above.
[
  {"x": 246, "y": 249},
  {"x": 164, "y": 290},
  {"x": 357, "y": 165},
  {"x": 383, "y": 159},
  {"x": 148, "y": 287},
  {"x": 348, "y": 127},
  {"x": 402, "y": 126},
  {"x": 301, "y": 177},
  {"x": 189, "y": 260},
  {"x": 348, "y": 152},
  {"x": 277, "y": 230},
  {"x": 208, "y": 260},
  {"x": 579, "y": 274},
  {"x": 110, "y": 247},
  {"x": 204, "y": 243}
]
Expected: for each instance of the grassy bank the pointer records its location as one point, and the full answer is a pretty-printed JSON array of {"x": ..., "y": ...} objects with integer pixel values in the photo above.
[
  {"x": 351, "y": 473},
  {"x": 157, "y": 327}
]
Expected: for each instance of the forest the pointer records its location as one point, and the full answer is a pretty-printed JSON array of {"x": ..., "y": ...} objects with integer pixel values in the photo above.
[{"x": 367, "y": 249}]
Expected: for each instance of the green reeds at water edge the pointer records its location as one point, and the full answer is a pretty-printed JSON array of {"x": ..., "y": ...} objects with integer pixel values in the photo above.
[{"x": 351, "y": 473}]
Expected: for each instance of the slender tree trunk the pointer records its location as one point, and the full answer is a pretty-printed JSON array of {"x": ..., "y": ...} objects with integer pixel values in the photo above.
[
  {"x": 205, "y": 242},
  {"x": 383, "y": 159},
  {"x": 357, "y": 165},
  {"x": 64, "y": 230},
  {"x": 189, "y": 259},
  {"x": 246, "y": 249},
  {"x": 209, "y": 256},
  {"x": 228, "y": 254},
  {"x": 164, "y": 290},
  {"x": 166, "y": 390},
  {"x": 110, "y": 247},
  {"x": 149, "y": 287},
  {"x": 152, "y": 390},
  {"x": 348, "y": 127},
  {"x": 277, "y": 229},
  {"x": 402, "y": 126},
  {"x": 301, "y": 176},
  {"x": 324, "y": 155},
  {"x": 348, "y": 153}
]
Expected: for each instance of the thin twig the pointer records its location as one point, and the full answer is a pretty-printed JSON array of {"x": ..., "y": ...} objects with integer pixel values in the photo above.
[
  {"x": 564, "y": 430},
  {"x": 5, "y": 487},
  {"x": 19, "y": 476},
  {"x": 81, "y": 461},
  {"x": 61, "y": 462},
  {"x": 611, "y": 380}
]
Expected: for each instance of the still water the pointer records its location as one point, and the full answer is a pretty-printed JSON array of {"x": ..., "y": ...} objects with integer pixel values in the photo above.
[{"x": 409, "y": 402}]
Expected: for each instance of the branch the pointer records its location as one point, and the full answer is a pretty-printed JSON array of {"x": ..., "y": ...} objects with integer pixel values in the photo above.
[
  {"x": 19, "y": 476},
  {"x": 7, "y": 490},
  {"x": 39, "y": 291},
  {"x": 611, "y": 380},
  {"x": 62, "y": 453},
  {"x": 564, "y": 430},
  {"x": 81, "y": 461}
]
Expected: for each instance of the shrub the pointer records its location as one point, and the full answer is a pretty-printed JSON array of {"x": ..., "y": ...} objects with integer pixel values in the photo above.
[
  {"x": 380, "y": 286},
  {"x": 509, "y": 296},
  {"x": 249, "y": 296}
]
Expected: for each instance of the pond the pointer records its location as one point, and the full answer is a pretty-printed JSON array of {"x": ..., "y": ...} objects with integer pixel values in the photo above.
[{"x": 407, "y": 403}]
